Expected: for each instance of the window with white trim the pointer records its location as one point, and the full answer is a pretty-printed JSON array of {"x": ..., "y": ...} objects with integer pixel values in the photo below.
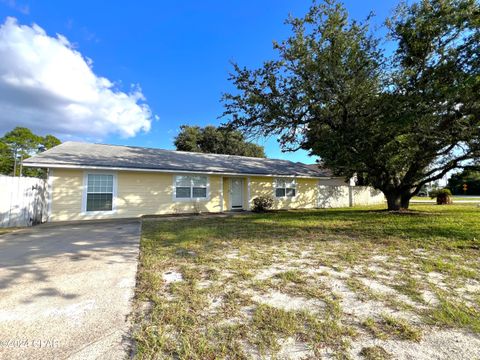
[
  {"x": 99, "y": 192},
  {"x": 191, "y": 187},
  {"x": 285, "y": 188}
]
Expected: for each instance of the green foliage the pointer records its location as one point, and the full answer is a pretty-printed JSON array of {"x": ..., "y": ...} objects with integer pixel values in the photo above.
[
  {"x": 18, "y": 145},
  {"x": 6, "y": 159},
  {"x": 216, "y": 140},
  {"x": 470, "y": 178},
  {"x": 48, "y": 142},
  {"x": 262, "y": 204},
  {"x": 434, "y": 193},
  {"x": 398, "y": 120},
  {"x": 443, "y": 196}
]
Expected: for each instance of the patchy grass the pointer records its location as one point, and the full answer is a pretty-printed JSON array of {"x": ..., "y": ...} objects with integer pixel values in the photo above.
[
  {"x": 454, "y": 313},
  {"x": 269, "y": 324},
  {"x": 410, "y": 286},
  {"x": 313, "y": 283}
]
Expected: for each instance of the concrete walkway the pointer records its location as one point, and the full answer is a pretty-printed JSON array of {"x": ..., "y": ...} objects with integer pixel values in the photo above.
[{"x": 65, "y": 290}]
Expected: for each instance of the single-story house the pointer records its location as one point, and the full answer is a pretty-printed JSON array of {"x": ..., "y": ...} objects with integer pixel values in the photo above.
[{"x": 96, "y": 181}]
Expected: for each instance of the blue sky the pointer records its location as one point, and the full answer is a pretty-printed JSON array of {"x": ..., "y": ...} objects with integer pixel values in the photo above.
[{"x": 178, "y": 52}]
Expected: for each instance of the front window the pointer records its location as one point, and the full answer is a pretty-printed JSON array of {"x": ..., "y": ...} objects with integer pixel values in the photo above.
[
  {"x": 99, "y": 192},
  {"x": 285, "y": 188},
  {"x": 190, "y": 187}
]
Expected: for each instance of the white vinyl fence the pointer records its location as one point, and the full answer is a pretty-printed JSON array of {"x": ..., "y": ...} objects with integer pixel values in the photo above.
[
  {"x": 332, "y": 196},
  {"x": 23, "y": 201},
  {"x": 365, "y": 195}
]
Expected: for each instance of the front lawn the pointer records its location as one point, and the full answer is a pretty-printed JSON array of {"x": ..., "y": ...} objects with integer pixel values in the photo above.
[{"x": 344, "y": 283}]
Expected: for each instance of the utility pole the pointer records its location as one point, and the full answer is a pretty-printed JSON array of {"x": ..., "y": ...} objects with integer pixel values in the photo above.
[
  {"x": 21, "y": 165},
  {"x": 15, "y": 162}
]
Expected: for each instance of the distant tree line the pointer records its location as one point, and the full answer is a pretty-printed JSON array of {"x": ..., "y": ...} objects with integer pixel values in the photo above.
[
  {"x": 18, "y": 145},
  {"x": 216, "y": 140},
  {"x": 469, "y": 178}
]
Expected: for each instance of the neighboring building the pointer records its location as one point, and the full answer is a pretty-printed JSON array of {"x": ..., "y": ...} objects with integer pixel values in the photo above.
[{"x": 95, "y": 181}]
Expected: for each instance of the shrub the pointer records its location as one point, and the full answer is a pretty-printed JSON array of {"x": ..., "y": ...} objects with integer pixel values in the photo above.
[
  {"x": 444, "y": 196},
  {"x": 262, "y": 203}
]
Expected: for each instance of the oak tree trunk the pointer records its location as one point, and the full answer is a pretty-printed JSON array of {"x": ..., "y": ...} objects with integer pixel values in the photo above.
[
  {"x": 396, "y": 200},
  {"x": 405, "y": 203}
]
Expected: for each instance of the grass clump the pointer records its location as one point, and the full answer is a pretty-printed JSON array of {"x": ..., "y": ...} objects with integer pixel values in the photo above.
[
  {"x": 233, "y": 301},
  {"x": 375, "y": 328},
  {"x": 391, "y": 327},
  {"x": 271, "y": 324},
  {"x": 375, "y": 353},
  {"x": 327, "y": 333},
  {"x": 401, "y": 328},
  {"x": 292, "y": 276}
]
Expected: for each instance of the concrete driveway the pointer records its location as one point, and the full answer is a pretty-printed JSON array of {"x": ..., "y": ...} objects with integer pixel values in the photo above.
[{"x": 65, "y": 290}]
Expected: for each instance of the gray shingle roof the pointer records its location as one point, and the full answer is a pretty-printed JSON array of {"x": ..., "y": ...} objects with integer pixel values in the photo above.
[
  {"x": 73, "y": 154},
  {"x": 323, "y": 170}
]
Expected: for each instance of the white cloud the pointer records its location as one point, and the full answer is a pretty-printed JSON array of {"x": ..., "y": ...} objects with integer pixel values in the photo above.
[{"x": 48, "y": 86}]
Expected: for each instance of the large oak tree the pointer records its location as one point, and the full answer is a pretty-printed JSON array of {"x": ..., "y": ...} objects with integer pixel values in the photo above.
[{"x": 398, "y": 111}]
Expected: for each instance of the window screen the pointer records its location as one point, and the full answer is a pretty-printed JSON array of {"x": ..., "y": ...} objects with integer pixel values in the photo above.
[
  {"x": 99, "y": 192},
  {"x": 190, "y": 187},
  {"x": 285, "y": 188}
]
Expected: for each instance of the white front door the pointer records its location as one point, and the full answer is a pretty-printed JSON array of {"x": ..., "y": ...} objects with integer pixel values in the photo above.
[{"x": 236, "y": 194}]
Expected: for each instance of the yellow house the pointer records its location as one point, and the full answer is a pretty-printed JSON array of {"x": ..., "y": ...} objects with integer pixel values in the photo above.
[{"x": 95, "y": 181}]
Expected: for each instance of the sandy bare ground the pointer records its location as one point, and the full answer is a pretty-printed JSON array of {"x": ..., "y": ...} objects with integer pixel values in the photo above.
[{"x": 269, "y": 295}]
